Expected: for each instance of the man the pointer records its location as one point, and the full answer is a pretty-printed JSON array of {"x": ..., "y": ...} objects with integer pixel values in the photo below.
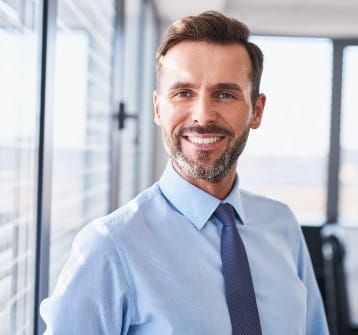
[{"x": 173, "y": 261}]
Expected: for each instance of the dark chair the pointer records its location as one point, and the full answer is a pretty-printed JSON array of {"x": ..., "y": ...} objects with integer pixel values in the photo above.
[{"x": 327, "y": 250}]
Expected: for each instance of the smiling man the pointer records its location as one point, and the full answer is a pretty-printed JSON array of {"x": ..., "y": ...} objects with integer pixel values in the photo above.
[
  {"x": 204, "y": 107},
  {"x": 194, "y": 254}
]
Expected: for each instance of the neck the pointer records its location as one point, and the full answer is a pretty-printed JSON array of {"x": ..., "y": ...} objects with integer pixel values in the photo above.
[{"x": 218, "y": 189}]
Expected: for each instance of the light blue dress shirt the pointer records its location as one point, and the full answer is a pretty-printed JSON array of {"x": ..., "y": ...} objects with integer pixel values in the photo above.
[{"x": 153, "y": 267}]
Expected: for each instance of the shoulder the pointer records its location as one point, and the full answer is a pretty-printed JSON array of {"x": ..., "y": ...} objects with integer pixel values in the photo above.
[
  {"x": 142, "y": 201},
  {"x": 272, "y": 216},
  {"x": 275, "y": 218},
  {"x": 129, "y": 218},
  {"x": 269, "y": 207},
  {"x": 101, "y": 244}
]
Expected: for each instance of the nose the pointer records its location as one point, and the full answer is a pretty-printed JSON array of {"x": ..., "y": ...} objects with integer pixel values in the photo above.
[{"x": 203, "y": 111}]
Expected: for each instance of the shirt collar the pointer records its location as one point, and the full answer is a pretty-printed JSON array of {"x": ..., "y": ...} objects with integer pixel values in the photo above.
[{"x": 197, "y": 205}]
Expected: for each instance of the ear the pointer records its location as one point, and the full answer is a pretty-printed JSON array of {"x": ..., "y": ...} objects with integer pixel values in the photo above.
[
  {"x": 258, "y": 111},
  {"x": 156, "y": 107}
]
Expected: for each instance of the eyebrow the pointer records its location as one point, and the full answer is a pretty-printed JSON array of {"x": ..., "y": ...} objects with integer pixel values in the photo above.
[
  {"x": 180, "y": 84},
  {"x": 219, "y": 86},
  {"x": 228, "y": 86}
]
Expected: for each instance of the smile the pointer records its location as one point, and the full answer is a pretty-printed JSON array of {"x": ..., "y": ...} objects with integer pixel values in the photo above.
[{"x": 204, "y": 140}]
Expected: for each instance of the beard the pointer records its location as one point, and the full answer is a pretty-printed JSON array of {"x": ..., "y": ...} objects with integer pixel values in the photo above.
[{"x": 201, "y": 166}]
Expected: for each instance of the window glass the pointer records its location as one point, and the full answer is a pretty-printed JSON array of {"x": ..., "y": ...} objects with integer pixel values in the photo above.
[
  {"x": 82, "y": 121},
  {"x": 19, "y": 73},
  {"x": 147, "y": 127},
  {"x": 348, "y": 208},
  {"x": 286, "y": 158},
  {"x": 129, "y": 136}
]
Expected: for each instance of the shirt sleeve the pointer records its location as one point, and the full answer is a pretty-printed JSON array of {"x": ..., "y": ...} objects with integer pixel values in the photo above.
[
  {"x": 316, "y": 323},
  {"x": 91, "y": 295}
]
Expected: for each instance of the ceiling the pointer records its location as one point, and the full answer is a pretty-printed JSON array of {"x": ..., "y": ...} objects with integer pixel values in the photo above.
[{"x": 329, "y": 18}]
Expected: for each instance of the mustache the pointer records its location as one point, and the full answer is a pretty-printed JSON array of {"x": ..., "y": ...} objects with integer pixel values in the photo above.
[{"x": 211, "y": 129}]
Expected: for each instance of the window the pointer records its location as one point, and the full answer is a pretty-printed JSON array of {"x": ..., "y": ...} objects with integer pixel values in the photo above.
[
  {"x": 19, "y": 72},
  {"x": 286, "y": 158},
  {"x": 348, "y": 176},
  {"x": 146, "y": 143},
  {"x": 129, "y": 136},
  {"x": 82, "y": 122},
  {"x": 348, "y": 208},
  {"x": 137, "y": 137},
  {"x": 85, "y": 89}
]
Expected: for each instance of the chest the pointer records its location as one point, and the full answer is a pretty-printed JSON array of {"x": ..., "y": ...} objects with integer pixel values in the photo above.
[{"x": 180, "y": 289}]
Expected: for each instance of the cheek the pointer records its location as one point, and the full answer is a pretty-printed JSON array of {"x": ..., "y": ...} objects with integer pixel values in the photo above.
[
  {"x": 171, "y": 119},
  {"x": 238, "y": 125}
]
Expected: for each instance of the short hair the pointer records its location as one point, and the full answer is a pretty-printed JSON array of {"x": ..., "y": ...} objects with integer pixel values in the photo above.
[{"x": 214, "y": 27}]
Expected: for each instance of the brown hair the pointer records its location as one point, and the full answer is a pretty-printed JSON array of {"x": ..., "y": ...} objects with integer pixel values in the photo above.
[{"x": 212, "y": 26}]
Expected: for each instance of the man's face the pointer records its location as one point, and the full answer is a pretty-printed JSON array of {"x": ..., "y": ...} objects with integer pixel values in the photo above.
[{"x": 203, "y": 105}]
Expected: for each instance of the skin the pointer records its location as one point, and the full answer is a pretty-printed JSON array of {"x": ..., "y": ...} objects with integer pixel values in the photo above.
[{"x": 203, "y": 106}]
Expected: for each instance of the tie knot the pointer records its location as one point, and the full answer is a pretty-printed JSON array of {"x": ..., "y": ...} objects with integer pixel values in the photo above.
[{"x": 225, "y": 213}]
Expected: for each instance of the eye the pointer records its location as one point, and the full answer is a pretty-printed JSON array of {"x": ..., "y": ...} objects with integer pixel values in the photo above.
[
  {"x": 183, "y": 94},
  {"x": 225, "y": 96}
]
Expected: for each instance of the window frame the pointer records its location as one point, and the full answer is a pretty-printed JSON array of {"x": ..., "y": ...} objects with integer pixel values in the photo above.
[
  {"x": 334, "y": 161},
  {"x": 44, "y": 168}
]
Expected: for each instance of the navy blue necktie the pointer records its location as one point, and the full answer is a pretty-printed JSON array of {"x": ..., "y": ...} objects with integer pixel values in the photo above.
[{"x": 239, "y": 290}]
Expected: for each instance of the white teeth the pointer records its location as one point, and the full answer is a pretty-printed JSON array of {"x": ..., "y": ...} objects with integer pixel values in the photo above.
[{"x": 203, "y": 140}]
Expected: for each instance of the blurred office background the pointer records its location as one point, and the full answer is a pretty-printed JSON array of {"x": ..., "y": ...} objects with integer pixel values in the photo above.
[{"x": 77, "y": 137}]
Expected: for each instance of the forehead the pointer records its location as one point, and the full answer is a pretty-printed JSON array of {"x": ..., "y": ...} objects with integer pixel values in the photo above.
[{"x": 206, "y": 62}]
